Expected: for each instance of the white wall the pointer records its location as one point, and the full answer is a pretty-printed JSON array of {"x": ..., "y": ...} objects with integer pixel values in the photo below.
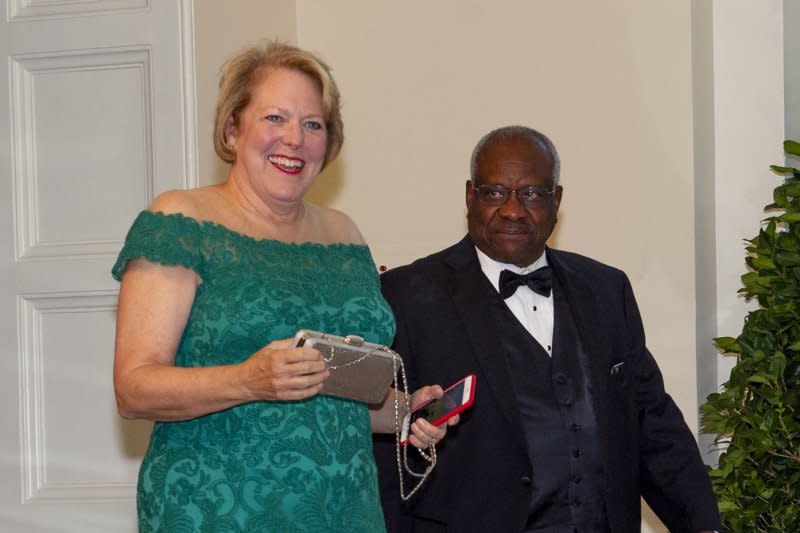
[
  {"x": 738, "y": 114},
  {"x": 791, "y": 43},
  {"x": 705, "y": 207},
  {"x": 749, "y": 130}
]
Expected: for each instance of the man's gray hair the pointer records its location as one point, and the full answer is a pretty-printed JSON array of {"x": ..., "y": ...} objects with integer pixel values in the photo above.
[{"x": 509, "y": 132}]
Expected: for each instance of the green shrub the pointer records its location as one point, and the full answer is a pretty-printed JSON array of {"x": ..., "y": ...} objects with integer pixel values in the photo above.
[{"x": 756, "y": 417}]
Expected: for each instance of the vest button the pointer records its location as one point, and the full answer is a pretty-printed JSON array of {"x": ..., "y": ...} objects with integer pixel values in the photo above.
[
  {"x": 526, "y": 481},
  {"x": 575, "y": 427},
  {"x": 567, "y": 403},
  {"x": 561, "y": 378},
  {"x": 577, "y": 452},
  {"x": 577, "y": 478}
]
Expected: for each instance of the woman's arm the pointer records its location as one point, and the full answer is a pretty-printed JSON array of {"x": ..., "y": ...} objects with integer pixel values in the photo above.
[{"x": 154, "y": 305}]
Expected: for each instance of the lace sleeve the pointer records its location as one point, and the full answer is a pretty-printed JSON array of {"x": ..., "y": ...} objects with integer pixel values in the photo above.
[{"x": 166, "y": 239}]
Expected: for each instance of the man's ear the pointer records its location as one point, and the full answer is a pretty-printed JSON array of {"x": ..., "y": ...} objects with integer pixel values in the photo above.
[
  {"x": 557, "y": 197},
  {"x": 468, "y": 192}
]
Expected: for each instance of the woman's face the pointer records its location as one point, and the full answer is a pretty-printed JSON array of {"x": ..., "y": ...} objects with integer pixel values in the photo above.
[{"x": 281, "y": 138}]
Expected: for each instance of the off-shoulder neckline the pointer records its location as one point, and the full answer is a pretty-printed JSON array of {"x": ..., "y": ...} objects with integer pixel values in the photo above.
[{"x": 250, "y": 238}]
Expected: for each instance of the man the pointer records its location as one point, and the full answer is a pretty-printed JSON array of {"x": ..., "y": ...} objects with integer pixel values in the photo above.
[{"x": 571, "y": 423}]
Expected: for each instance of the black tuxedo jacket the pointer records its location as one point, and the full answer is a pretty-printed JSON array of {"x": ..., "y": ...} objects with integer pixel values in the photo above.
[{"x": 484, "y": 478}]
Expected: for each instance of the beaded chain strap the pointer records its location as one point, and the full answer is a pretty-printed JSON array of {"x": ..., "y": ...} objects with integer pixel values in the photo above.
[{"x": 402, "y": 464}]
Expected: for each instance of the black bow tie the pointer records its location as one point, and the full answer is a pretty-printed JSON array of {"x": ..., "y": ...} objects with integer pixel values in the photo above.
[{"x": 540, "y": 281}]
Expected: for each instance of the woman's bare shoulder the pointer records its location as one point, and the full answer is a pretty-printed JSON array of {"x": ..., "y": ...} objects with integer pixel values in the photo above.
[
  {"x": 335, "y": 225},
  {"x": 195, "y": 203}
]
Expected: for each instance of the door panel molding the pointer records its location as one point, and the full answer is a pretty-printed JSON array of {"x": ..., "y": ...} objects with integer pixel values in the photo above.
[
  {"x": 32, "y": 10},
  {"x": 46, "y": 158}
]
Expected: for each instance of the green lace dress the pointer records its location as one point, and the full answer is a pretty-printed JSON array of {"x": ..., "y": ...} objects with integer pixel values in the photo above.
[{"x": 286, "y": 467}]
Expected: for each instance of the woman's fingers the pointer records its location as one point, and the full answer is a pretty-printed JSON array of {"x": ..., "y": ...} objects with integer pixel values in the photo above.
[{"x": 282, "y": 372}]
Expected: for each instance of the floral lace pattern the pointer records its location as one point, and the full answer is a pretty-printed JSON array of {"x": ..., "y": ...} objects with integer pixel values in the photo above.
[{"x": 288, "y": 467}]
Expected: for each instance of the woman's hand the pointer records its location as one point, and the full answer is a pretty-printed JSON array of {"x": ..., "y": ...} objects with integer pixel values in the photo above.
[
  {"x": 423, "y": 433},
  {"x": 279, "y": 371}
]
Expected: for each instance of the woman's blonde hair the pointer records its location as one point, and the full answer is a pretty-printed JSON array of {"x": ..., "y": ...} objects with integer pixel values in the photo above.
[{"x": 242, "y": 71}]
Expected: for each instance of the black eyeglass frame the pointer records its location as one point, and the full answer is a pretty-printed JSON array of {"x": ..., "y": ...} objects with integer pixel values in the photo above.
[{"x": 544, "y": 195}]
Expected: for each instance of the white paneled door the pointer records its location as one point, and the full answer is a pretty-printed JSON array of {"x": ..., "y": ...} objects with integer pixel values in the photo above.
[{"x": 96, "y": 117}]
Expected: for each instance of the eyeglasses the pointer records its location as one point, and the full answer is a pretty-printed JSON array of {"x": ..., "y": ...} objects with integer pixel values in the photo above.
[{"x": 497, "y": 195}]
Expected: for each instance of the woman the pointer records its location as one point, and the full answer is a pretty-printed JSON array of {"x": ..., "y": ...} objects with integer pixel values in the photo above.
[{"x": 215, "y": 281}]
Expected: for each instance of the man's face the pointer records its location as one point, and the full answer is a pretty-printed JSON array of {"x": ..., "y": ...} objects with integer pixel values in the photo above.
[{"x": 511, "y": 232}]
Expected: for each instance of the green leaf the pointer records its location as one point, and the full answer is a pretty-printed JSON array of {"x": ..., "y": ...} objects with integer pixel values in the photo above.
[
  {"x": 787, "y": 259},
  {"x": 791, "y": 147},
  {"x": 781, "y": 170},
  {"x": 792, "y": 189},
  {"x": 779, "y": 196},
  {"x": 788, "y": 242},
  {"x": 761, "y": 262},
  {"x": 778, "y": 363},
  {"x": 727, "y": 344}
]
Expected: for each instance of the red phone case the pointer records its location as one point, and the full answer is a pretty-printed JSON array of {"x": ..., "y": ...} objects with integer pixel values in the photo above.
[{"x": 454, "y": 411}]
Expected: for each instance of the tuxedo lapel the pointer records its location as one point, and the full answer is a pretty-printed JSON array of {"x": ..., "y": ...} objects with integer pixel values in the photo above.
[{"x": 474, "y": 299}]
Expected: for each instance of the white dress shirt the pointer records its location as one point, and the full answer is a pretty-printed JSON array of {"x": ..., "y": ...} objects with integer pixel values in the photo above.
[{"x": 534, "y": 311}]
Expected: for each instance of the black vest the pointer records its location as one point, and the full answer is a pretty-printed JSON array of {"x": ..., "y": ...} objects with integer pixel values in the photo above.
[{"x": 553, "y": 396}]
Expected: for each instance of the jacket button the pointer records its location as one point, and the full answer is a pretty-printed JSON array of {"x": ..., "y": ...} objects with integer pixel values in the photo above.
[
  {"x": 526, "y": 481},
  {"x": 567, "y": 403},
  {"x": 577, "y": 452},
  {"x": 561, "y": 378},
  {"x": 575, "y": 427}
]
